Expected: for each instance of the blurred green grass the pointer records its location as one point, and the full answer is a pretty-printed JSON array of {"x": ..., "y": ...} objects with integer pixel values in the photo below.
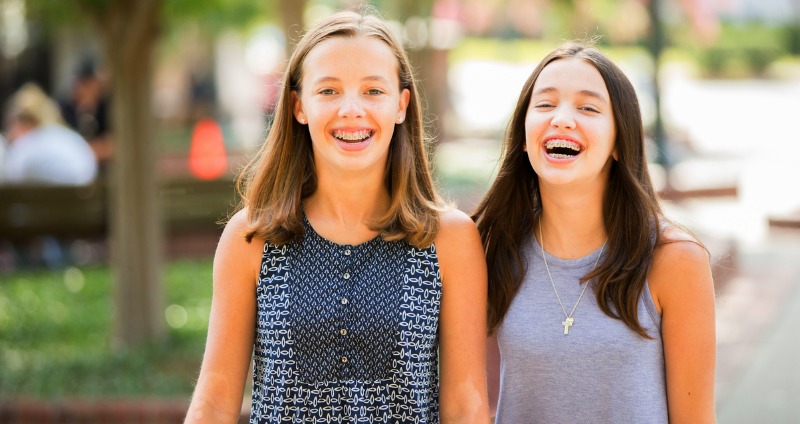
[{"x": 56, "y": 327}]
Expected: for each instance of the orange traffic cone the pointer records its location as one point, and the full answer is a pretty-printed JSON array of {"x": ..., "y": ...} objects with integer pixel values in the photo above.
[{"x": 207, "y": 157}]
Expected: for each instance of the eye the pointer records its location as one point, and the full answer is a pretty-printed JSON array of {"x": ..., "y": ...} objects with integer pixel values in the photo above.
[
  {"x": 327, "y": 91},
  {"x": 543, "y": 105},
  {"x": 589, "y": 109},
  {"x": 374, "y": 91}
]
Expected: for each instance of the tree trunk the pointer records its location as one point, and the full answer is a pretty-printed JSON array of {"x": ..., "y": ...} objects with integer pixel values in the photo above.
[
  {"x": 131, "y": 30},
  {"x": 430, "y": 70},
  {"x": 292, "y": 21}
]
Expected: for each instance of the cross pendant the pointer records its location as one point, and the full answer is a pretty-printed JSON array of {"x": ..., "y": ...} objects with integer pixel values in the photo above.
[{"x": 567, "y": 324}]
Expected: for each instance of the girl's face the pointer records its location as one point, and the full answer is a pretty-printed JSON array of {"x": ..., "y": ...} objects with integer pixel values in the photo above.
[
  {"x": 350, "y": 98},
  {"x": 569, "y": 125}
]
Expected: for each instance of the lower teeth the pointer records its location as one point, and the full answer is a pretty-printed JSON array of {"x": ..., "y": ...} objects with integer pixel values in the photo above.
[
  {"x": 560, "y": 156},
  {"x": 358, "y": 140}
]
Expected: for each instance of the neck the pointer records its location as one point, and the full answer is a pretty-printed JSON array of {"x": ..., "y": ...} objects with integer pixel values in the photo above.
[
  {"x": 343, "y": 207},
  {"x": 571, "y": 222}
]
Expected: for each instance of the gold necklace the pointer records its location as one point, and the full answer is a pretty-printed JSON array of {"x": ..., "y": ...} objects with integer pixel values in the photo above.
[{"x": 569, "y": 320}]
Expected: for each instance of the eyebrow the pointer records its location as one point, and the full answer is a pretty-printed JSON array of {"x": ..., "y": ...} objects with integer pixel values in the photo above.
[
  {"x": 367, "y": 78},
  {"x": 589, "y": 93}
]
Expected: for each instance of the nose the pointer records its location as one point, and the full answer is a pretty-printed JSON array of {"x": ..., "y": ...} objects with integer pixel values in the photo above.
[
  {"x": 563, "y": 118},
  {"x": 351, "y": 107}
]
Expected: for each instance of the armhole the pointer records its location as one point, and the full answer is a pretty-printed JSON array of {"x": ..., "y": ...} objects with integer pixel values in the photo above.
[
  {"x": 266, "y": 252},
  {"x": 433, "y": 251},
  {"x": 650, "y": 306}
]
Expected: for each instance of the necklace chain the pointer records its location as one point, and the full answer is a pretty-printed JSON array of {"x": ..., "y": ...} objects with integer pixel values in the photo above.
[{"x": 568, "y": 317}]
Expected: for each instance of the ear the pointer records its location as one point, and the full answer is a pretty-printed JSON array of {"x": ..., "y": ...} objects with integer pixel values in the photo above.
[
  {"x": 299, "y": 113},
  {"x": 402, "y": 106},
  {"x": 615, "y": 155}
]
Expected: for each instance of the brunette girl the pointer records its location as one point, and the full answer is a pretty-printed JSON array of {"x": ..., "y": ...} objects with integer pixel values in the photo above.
[{"x": 601, "y": 308}]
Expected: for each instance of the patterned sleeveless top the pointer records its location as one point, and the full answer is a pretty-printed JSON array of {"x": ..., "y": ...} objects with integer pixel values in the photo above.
[{"x": 347, "y": 334}]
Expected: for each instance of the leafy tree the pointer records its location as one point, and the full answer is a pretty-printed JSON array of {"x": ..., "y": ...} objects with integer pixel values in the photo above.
[{"x": 130, "y": 32}]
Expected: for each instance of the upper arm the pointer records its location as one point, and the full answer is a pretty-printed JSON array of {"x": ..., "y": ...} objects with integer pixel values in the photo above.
[
  {"x": 231, "y": 328},
  {"x": 683, "y": 290},
  {"x": 462, "y": 318},
  {"x": 493, "y": 371}
]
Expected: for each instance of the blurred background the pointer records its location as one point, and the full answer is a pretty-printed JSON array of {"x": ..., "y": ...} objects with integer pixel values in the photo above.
[{"x": 125, "y": 123}]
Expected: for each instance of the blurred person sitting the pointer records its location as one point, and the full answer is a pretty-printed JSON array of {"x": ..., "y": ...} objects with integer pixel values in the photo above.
[
  {"x": 41, "y": 149},
  {"x": 87, "y": 111}
]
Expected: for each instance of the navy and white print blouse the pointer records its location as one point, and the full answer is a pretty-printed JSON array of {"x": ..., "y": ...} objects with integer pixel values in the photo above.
[{"x": 347, "y": 334}]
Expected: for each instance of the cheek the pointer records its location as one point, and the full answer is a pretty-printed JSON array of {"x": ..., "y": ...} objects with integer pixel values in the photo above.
[
  {"x": 385, "y": 110},
  {"x": 532, "y": 132}
]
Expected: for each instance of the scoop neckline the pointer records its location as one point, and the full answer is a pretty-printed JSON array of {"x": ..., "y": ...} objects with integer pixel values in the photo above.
[
  {"x": 586, "y": 260},
  {"x": 319, "y": 236}
]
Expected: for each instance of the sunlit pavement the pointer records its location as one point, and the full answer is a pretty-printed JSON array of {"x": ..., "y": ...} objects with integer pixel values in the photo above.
[{"x": 758, "y": 379}]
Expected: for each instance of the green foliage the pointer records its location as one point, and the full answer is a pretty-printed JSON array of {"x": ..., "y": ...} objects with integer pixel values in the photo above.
[
  {"x": 400, "y": 10},
  {"x": 55, "y": 336},
  {"x": 519, "y": 50},
  {"x": 216, "y": 15},
  {"x": 741, "y": 50},
  {"x": 211, "y": 15},
  {"x": 54, "y": 14}
]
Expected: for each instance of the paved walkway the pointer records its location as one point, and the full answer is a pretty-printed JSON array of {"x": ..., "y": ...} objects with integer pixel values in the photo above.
[{"x": 758, "y": 343}]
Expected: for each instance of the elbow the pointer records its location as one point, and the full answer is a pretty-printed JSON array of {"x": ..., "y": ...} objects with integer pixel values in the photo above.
[
  {"x": 473, "y": 415},
  {"x": 468, "y": 409},
  {"x": 205, "y": 412},
  {"x": 216, "y": 399}
]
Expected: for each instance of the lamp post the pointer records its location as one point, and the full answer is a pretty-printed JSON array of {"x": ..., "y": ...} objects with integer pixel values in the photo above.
[{"x": 656, "y": 42}]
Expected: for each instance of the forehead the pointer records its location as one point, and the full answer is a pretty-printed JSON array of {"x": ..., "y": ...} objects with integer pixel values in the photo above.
[
  {"x": 571, "y": 75},
  {"x": 345, "y": 57}
]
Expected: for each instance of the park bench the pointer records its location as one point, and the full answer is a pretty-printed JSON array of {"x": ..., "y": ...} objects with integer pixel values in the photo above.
[{"x": 82, "y": 212}]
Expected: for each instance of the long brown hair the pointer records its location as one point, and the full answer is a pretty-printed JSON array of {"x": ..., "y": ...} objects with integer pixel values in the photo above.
[
  {"x": 282, "y": 173},
  {"x": 631, "y": 212}
]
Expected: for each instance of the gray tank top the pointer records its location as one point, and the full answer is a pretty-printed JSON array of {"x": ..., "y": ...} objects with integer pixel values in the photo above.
[{"x": 601, "y": 372}]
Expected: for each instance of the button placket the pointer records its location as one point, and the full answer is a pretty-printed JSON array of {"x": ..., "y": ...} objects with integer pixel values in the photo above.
[{"x": 346, "y": 277}]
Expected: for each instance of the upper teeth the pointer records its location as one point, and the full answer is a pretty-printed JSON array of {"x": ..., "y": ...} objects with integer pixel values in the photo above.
[
  {"x": 552, "y": 144},
  {"x": 355, "y": 135}
]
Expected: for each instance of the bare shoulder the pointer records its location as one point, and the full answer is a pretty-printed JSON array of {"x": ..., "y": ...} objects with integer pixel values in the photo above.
[
  {"x": 459, "y": 248},
  {"x": 235, "y": 228},
  {"x": 234, "y": 251},
  {"x": 455, "y": 226},
  {"x": 679, "y": 248},
  {"x": 681, "y": 267},
  {"x": 673, "y": 233},
  {"x": 455, "y": 220}
]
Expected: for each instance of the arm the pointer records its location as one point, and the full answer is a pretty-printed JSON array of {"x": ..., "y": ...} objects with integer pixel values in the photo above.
[
  {"x": 462, "y": 323},
  {"x": 493, "y": 372},
  {"x": 229, "y": 346},
  {"x": 683, "y": 291}
]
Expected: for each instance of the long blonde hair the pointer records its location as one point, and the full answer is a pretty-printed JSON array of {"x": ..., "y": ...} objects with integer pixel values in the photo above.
[{"x": 274, "y": 183}]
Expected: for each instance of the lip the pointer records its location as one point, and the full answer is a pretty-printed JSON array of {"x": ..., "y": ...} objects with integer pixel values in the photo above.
[
  {"x": 560, "y": 137},
  {"x": 352, "y": 146}
]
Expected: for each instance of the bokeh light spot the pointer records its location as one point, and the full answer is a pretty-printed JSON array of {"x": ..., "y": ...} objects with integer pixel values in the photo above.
[
  {"x": 176, "y": 316},
  {"x": 74, "y": 279}
]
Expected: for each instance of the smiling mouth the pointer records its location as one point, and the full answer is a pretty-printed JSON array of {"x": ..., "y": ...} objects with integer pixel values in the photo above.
[
  {"x": 562, "y": 149},
  {"x": 353, "y": 136}
]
